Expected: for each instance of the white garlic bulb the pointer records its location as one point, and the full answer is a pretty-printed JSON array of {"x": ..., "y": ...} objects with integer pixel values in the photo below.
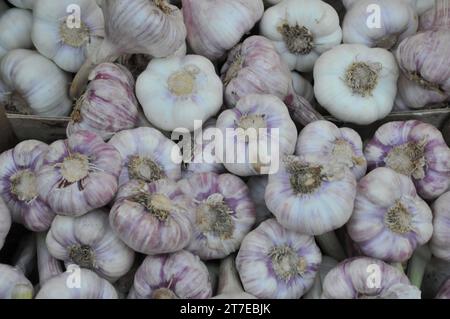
[
  {"x": 16, "y": 29},
  {"x": 188, "y": 87},
  {"x": 24, "y": 4},
  {"x": 89, "y": 242},
  {"x": 355, "y": 83},
  {"x": 341, "y": 146},
  {"x": 302, "y": 30},
  {"x": 13, "y": 284},
  {"x": 277, "y": 263},
  {"x": 5, "y": 222},
  {"x": 77, "y": 284},
  {"x": 311, "y": 197},
  {"x": 215, "y": 26},
  {"x": 35, "y": 84},
  {"x": 64, "y": 38}
]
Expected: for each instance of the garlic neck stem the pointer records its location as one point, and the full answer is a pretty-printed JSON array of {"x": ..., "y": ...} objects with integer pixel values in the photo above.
[
  {"x": 417, "y": 265},
  {"x": 48, "y": 266},
  {"x": 229, "y": 282},
  {"x": 300, "y": 109},
  {"x": 331, "y": 246},
  {"x": 24, "y": 260}
]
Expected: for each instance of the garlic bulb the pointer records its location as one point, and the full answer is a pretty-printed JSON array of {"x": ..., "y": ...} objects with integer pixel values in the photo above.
[
  {"x": 5, "y": 222},
  {"x": 440, "y": 242},
  {"x": 89, "y": 242},
  {"x": 48, "y": 266},
  {"x": 16, "y": 24},
  {"x": 19, "y": 168},
  {"x": 340, "y": 146},
  {"x": 147, "y": 155},
  {"x": 214, "y": 27},
  {"x": 437, "y": 17},
  {"x": 397, "y": 20},
  {"x": 367, "y": 278},
  {"x": 257, "y": 188},
  {"x": 108, "y": 105},
  {"x": 24, "y": 4},
  {"x": 302, "y": 87},
  {"x": 148, "y": 27},
  {"x": 77, "y": 283},
  {"x": 36, "y": 85},
  {"x": 63, "y": 30},
  {"x": 254, "y": 66},
  {"x": 422, "y": 62},
  {"x": 188, "y": 87},
  {"x": 180, "y": 275},
  {"x": 302, "y": 30},
  {"x": 277, "y": 263},
  {"x": 389, "y": 220},
  {"x": 79, "y": 174},
  {"x": 444, "y": 292},
  {"x": 224, "y": 213},
  {"x": 311, "y": 197},
  {"x": 13, "y": 284},
  {"x": 415, "y": 149},
  {"x": 256, "y": 120},
  {"x": 355, "y": 83},
  {"x": 229, "y": 284},
  {"x": 152, "y": 218}
]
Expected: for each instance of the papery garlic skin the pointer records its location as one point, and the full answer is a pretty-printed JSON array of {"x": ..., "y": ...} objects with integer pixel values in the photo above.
[
  {"x": 302, "y": 87},
  {"x": 389, "y": 220},
  {"x": 214, "y": 27},
  {"x": 257, "y": 187},
  {"x": 437, "y": 17},
  {"x": 415, "y": 149},
  {"x": 36, "y": 85},
  {"x": 351, "y": 279},
  {"x": 311, "y": 197},
  {"x": 19, "y": 168},
  {"x": 13, "y": 284},
  {"x": 254, "y": 66},
  {"x": 188, "y": 87},
  {"x": 302, "y": 30},
  {"x": 268, "y": 121},
  {"x": 180, "y": 275},
  {"x": 147, "y": 155},
  {"x": 108, "y": 105},
  {"x": 397, "y": 21},
  {"x": 79, "y": 174},
  {"x": 444, "y": 292},
  {"x": 24, "y": 4},
  {"x": 89, "y": 242},
  {"x": 89, "y": 286},
  {"x": 341, "y": 146},
  {"x": 440, "y": 242},
  {"x": 48, "y": 266},
  {"x": 355, "y": 83},
  {"x": 5, "y": 222},
  {"x": 277, "y": 263},
  {"x": 426, "y": 67},
  {"x": 152, "y": 218},
  {"x": 16, "y": 25},
  {"x": 421, "y": 6},
  {"x": 224, "y": 213},
  {"x": 62, "y": 40}
]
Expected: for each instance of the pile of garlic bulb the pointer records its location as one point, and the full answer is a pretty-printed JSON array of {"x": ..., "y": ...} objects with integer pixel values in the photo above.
[{"x": 226, "y": 132}]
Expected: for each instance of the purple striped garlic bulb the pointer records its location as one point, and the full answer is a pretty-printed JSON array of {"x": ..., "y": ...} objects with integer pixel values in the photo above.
[
  {"x": 180, "y": 275},
  {"x": 77, "y": 283},
  {"x": 19, "y": 169},
  {"x": 108, "y": 105},
  {"x": 152, "y": 218},
  {"x": 147, "y": 155},
  {"x": 257, "y": 188},
  {"x": 340, "y": 146},
  {"x": 277, "y": 263},
  {"x": 215, "y": 26},
  {"x": 256, "y": 120},
  {"x": 367, "y": 278},
  {"x": 5, "y": 222},
  {"x": 389, "y": 220},
  {"x": 79, "y": 174},
  {"x": 425, "y": 67},
  {"x": 13, "y": 284},
  {"x": 89, "y": 242},
  {"x": 440, "y": 241},
  {"x": 224, "y": 213},
  {"x": 415, "y": 149},
  {"x": 311, "y": 197},
  {"x": 444, "y": 291}
]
